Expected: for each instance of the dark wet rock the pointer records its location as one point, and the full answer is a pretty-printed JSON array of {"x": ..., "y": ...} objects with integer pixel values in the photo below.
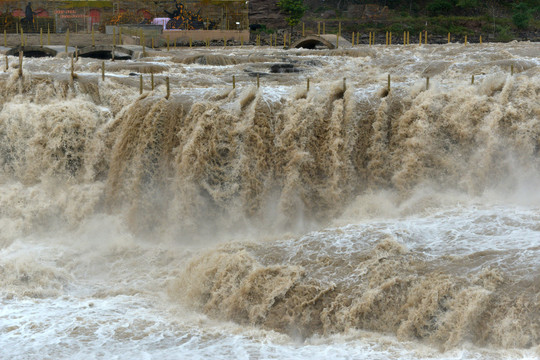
[{"x": 283, "y": 68}]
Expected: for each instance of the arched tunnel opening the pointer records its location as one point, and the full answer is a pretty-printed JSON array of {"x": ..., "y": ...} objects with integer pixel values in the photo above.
[
  {"x": 311, "y": 44},
  {"x": 106, "y": 55}
]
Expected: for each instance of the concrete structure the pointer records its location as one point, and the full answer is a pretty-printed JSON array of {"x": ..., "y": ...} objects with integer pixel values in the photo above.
[{"x": 329, "y": 41}]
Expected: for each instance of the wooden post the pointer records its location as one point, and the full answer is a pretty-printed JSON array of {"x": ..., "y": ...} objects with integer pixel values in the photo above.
[
  {"x": 143, "y": 43},
  {"x": 190, "y": 42},
  {"x": 420, "y": 43},
  {"x": 207, "y": 43},
  {"x": 168, "y": 88},
  {"x": 390, "y": 38},
  {"x": 258, "y": 81},
  {"x": 307, "y": 88},
  {"x": 427, "y": 83},
  {"x": 472, "y": 80},
  {"x": 233, "y": 82},
  {"x": 480, "y": 39},
  {"x": 140, "y": 85},
  {"x": 20, "y": 63},
  {"x": 40, "y": 37},
  {"x": 339, "y": 28},
  {"x": 67, "y": 40},
  {"x": 48, "y": 35},
  {"x": 152, "y": 42},
  {"x": 120, "y": 41},
  {"x": 152, "y": 81},
  {"x": 387, "y": 38},
  {"x": 72, "y": 69},
  {"x": 408, "y": 38},
  {"x": 168, "y": 40},
  {"x": 465, "y": 39},
  {"x": 318, "y": 28},
  {"x": 388, "y": 83},
  {"x": 22, "y": 37},
  {"x": 103, "y": 70},
  {"x": 7, "y": 63},
  {"x": 114, "y": 36},
  {"x": 449, "y": 38}
]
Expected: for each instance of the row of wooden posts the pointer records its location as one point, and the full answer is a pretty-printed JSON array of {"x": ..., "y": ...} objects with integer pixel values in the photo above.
[
  {"x": 273, "y": 39},
  {"x": 167, "y": 83}
]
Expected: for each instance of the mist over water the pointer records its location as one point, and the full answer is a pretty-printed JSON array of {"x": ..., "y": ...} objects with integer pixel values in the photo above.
[{"x": 273, "y": 222}]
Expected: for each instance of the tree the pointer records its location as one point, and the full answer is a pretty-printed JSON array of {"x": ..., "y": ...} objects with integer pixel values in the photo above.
[
  {"x": 522, "y": 16},
  {"x": 293, "y": 9}
]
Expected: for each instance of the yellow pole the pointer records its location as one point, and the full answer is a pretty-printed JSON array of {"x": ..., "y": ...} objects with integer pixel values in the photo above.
[
  {"x": 472, "y": 80},
  {"x": 449, "y": 38},
  {"x": 339, "y": 28},
  {"x": 390, "y": 38},
  {"x": 152, "y": 42},
  {"x": 408, "y": 38},
  {"x": 22, "y": 37},
  {"x": 425, "y": 41},
  {"x": 480, "y": 39},
  {"x": 420, "y": 38},
  {"x": 207, "y": 43},
  {"x": 387, "y": 38}
]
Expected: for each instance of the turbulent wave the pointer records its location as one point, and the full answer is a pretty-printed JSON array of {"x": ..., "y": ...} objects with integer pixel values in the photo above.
[{"x": 207, "y": 163}]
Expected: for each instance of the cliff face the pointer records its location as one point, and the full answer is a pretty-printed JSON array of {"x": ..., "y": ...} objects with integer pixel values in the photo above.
[{"x": 266, "y": 12}]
